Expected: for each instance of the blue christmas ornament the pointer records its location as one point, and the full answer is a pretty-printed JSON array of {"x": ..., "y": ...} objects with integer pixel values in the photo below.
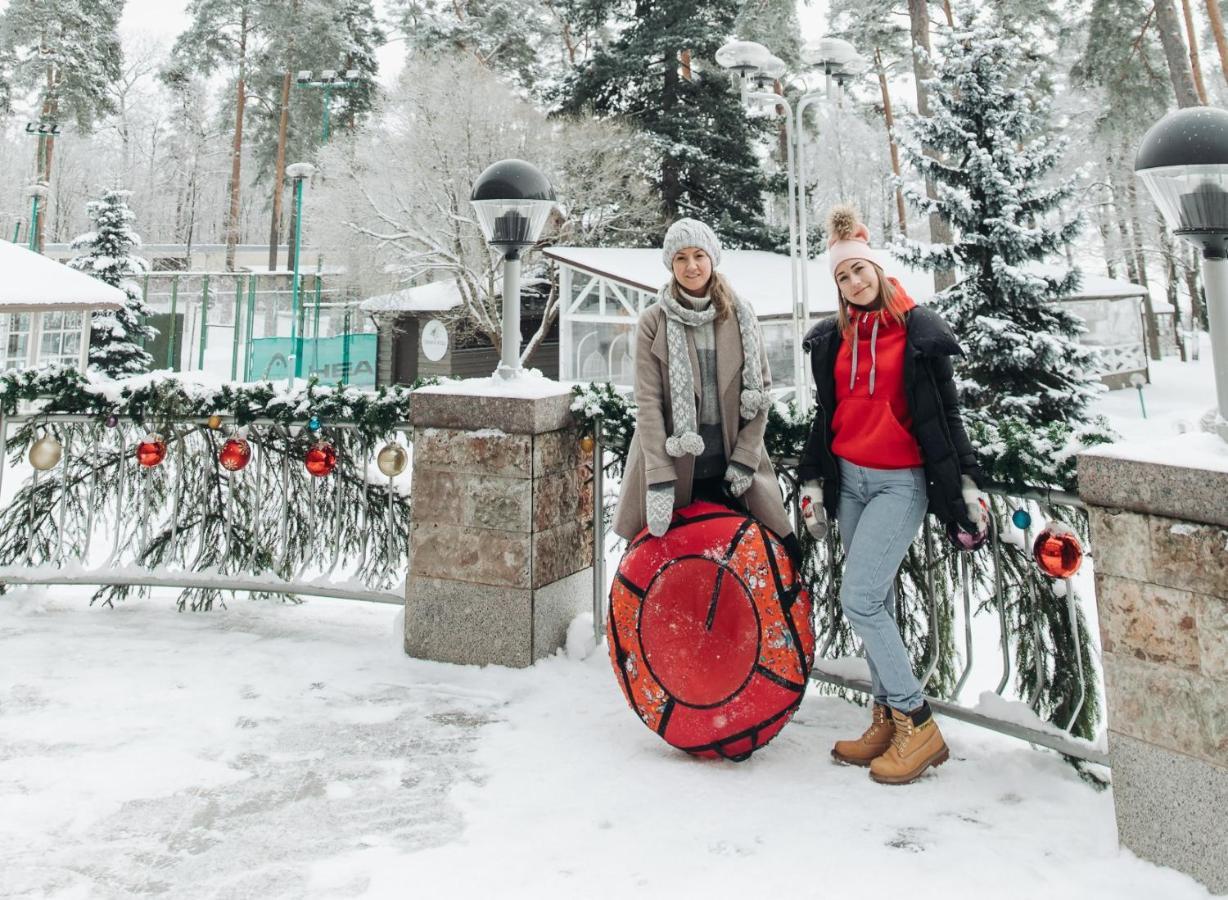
[
  {"x": 313, "y": 424},
  {"x": 1022, "y": 518}
]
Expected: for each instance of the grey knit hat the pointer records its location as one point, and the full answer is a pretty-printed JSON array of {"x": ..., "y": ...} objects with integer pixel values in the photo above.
[{"x": 690, "y": 233}]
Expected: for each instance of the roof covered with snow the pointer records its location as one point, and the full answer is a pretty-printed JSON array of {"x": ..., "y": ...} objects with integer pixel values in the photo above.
[
  {"x": 438, "y": 296},
  {"x": 763, "y": 279},
  {"x": 29, "y": 280}
]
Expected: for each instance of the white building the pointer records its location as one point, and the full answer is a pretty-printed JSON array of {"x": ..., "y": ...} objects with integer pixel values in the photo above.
[
  {"x": 45, "y": 309},
  {"x": 603, "y": 291}
]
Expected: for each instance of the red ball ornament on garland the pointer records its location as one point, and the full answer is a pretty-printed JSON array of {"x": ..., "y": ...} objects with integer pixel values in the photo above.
[
  {"x": 235, "y": 454},
  {"x": 1057, "y": 551},
  {"x": 151, "y": 451},
  {"x": 321, "y": 459}
]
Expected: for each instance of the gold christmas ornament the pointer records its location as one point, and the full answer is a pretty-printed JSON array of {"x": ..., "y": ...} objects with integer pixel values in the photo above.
[
  {"x": 587, "y": 443},
  {"x": 45, "y": 453},
  {"x": 215, "y": 421},
  {"x": 392, "y": 460}
]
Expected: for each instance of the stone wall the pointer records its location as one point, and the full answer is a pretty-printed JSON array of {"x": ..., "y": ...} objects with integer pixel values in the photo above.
[
  {"x": 1160, "y": 539},
  {"x": 501, "y": 538}
]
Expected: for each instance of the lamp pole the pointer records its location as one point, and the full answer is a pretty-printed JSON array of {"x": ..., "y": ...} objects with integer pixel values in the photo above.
[
  {"x": 756, "y": 67},
  {"x": 512, "y": 199},
  {"x": 329, "y": 80},
  {"x": 300, "y": 172},
  {"x": 36, "y": 192},
  {"x": 1183, "y": 161}
]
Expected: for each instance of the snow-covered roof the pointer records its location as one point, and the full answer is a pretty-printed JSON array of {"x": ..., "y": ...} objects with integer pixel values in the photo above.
[
  {"x": 29, "y": 281},
  {"x": 763, "y": 279},
  {"x": 438, "y": 296}
]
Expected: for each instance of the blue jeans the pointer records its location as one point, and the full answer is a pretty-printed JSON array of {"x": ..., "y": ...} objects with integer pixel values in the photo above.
[{"x": 879, "y": 513}]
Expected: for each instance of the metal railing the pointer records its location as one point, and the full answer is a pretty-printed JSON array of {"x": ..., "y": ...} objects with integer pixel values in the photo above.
[
  {"x": 117, "y": 528},
  {"x": 1035, "y": 731}
]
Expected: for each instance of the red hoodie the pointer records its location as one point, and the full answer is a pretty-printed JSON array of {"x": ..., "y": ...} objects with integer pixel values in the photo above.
[{"x": 874, "y": 429}]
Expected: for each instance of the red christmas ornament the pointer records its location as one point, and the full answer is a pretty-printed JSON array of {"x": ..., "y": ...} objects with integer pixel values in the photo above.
[
  {"x": 1057, "y": 551},
  {"x": 235, "y": 454},
  {"x": 321, "y": 459},
  {"x": 151, "y": 451},
  {"x": 710, "y": 632}
]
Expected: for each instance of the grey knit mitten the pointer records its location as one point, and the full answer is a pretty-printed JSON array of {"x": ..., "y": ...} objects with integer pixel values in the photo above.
[
  {"x": 739, "y": 478},
  {"x": 660, "y": 507}
]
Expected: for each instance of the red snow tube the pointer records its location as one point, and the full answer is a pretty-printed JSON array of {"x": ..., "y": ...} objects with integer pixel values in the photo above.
[{"x": 710, "y": 632}]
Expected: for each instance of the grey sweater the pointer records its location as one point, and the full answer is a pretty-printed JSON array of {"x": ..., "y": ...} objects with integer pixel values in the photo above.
[{"x": 710, "y": 463}]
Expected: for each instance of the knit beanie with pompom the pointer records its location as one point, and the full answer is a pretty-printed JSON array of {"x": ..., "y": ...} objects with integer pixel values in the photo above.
[{"x": 849, "y": 238}]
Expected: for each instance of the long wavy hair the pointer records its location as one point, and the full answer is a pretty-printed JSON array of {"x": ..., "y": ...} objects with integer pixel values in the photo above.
[
  {"x": 719, "y": 289},
  {"x": 888, "y": 298}
]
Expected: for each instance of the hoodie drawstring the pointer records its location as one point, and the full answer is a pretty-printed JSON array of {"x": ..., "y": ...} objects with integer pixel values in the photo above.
[{"x": 873, "y": 353}]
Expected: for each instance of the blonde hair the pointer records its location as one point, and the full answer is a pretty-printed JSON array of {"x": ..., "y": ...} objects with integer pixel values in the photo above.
[
  {"x": 888, "y": 297},
  {"x": 719, "y": 289}
]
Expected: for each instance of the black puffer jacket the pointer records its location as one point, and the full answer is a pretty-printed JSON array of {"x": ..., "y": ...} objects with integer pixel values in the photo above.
[{"x": 932, "y": 402}]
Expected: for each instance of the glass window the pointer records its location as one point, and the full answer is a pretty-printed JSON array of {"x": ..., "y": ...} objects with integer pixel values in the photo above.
[
  {"x": 61, "y": 338},
  {"x": 778, "y": 343},
  {"x": 585, "y": 293},
  {"x": 601, "y": 352},
  {"x": 16, "y": 339}
]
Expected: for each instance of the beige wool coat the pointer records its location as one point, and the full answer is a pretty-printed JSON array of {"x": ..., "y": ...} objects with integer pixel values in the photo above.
[{"x": 647, "y": 461}]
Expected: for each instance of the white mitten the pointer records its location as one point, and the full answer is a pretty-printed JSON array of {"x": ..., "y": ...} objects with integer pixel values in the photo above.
[
  {"x": 740, "y": 478},
  {"x": 814, "y": 516},
  {"x": 660, "y": 507},
  {"x": 977, "y": 514}
]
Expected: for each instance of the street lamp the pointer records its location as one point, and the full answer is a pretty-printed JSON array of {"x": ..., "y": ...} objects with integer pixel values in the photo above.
[
  {"x": 329, "y": 80},
  {"x": 1183, "y": 161},
  {"x": 755, "y": 65},
  {"x": 300, "y": 172},
  {"x": 512, "y": 199},
  {"x": 36, "y": 192}
]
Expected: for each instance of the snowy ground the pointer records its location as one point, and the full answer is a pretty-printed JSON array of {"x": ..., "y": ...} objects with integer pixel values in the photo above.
[
  {"x": 294, "y": 751},
  {"x": 272, "y": 750}
]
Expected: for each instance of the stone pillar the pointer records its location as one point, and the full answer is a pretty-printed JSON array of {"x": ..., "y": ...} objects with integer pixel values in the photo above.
[
  {"x": 1160, "y": 538},
  {"x": 501, "y": 539}
]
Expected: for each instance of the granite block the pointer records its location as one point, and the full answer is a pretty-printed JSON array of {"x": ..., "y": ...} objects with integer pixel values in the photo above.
[
  {"x": 1170, "y": 809},
  {"x": 473, "y": 555},
  {"x": 564, "y": 496},
  {"x": 562, "y": 551},
  {"x": 558, "y": 451},
  {"x": 484, "y": 452},
  {"x": 1121, "y": 540},
  {"x": 1188, "y": 556},
  {"x": 1175, "y": 709},
  {"x": 1212, "y": 614},
  {"x": 514, "y": 415},
  {"x": 457, "y": 498},
  {"x": 1146, "y": 486},
  {"x": 449, "y": 621},
  {"x": 1147, "y": 621},
  {"x": 554, "y": 607}
]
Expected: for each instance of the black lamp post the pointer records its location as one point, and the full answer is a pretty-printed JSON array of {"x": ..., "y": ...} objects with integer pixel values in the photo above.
[
  {"x": 1183, "y": 161},
  {"x": 512, "y": 199}
]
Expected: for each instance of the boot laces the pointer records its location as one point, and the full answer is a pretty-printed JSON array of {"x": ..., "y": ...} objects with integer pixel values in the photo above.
[{"x": 904, "y": 729}]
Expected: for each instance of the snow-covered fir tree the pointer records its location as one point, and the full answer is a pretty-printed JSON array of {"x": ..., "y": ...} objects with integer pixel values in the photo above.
[
  {"x": 659, "y": 73},
  {"x": 107, "y": 254},
  {"x": 1026, "y": 383}
]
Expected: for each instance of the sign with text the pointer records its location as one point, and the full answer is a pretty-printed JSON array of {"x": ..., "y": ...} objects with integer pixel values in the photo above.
[{"x": 326, "y": 358}]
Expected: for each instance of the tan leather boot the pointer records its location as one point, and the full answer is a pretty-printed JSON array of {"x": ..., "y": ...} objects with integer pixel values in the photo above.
[
  {"x": 914, "y": 748},
  {"x": 874, "y": 742}
]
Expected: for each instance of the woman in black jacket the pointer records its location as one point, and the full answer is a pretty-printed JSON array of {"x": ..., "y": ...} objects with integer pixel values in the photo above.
[{"x": 887, "y": 445}]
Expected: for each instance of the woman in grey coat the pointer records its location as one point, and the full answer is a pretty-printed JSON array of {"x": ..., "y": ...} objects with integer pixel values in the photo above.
[{"x": 702, "y": 391}]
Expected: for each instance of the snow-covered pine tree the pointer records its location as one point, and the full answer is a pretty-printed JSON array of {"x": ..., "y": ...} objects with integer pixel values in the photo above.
[
  {"x": 107, "y": 254},
  {"x": 1026, "y": 383},
  {"x": 659, "y": 73}
]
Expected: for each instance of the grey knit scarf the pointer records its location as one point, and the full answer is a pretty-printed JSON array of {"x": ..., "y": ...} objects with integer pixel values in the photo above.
[{"x": 753, "y": 400}]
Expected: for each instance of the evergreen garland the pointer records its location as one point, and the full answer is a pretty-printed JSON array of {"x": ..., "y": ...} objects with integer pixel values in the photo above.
[{"x": 190, "y": 512}]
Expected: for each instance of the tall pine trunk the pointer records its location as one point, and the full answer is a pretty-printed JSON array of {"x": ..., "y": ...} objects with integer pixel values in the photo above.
[
  {"x": 1195, "y": 63},
  {"x": 1179, "y": 72},
  {"x": 902, "y": 218},
  {"x": 279, "y": 169},
  {"x": 236, "y": 153},
  {"x": 940, "y": 231},
  {"x": 1171, "y": 286},
  {"x": 1136, "y": 243},
  {"x": 1217, "y": 29}
]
